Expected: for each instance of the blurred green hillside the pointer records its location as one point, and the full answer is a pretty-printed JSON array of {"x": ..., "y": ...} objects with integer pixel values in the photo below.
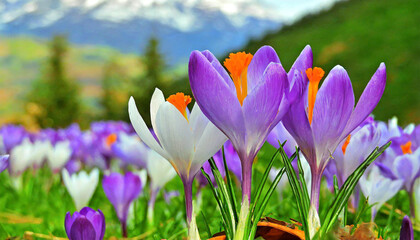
[
  {"x": 359, "y": 35},
  {"x": 23, "y": 60}
]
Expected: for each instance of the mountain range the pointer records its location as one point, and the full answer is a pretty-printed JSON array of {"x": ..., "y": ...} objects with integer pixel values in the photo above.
[{"x": 180, "y": 25}]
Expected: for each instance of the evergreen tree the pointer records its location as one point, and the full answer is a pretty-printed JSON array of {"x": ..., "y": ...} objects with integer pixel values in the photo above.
[
  {"x": 55, "y": 94},
  {"x": 114, "y": 97},
  {"x": 153, "y": 77}
]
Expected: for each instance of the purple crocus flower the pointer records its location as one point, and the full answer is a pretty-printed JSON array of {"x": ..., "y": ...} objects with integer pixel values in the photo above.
[
  {"x": 244, "y": 106},
  {"x": 352, "y": 151},
  {"x": 4, "y": 162},
  {"x": 406, "y": 232},
  {"x": 378, "y": 188},
  {"x": 320, "y": 120},
  {"x": 12, "y": 135},
  {"x": 402, "y": 161},
  {"x": 121, "y": 191},
  {"x": 87, "y": 224},
  {"x": 131, "y": 150}
]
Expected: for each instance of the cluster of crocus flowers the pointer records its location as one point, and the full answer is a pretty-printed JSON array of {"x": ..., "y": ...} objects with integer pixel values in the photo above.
[
  {"x": 402, "y": 161},
  {"x": 121, "y": 191},
  {"x": 87, "y": 224},
  {"x": 186, "y": 141}
]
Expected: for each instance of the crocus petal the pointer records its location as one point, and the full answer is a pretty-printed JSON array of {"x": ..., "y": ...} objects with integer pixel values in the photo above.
[
  {"x": 333, "y": 107},
  {"x": 198, "y": 122},
  {"x": 218, "y": 103},
  {"x": 155, "y": 102},
  {"x": 142, "y": 130},
  {"x": 297, "y": 124},
  {"x": 262, "y": 58},
  {"x": 406, "y": 232},
  {"x": 386, "y": 171},
  {"x": 175, "y": 136},
  {"x": 261, "y": 106},
  {"x": 113, "y": 186},
  {"x": 298, "y": 80},
  {"x": 368, "y": 100},
  {"x": 210, "y": 142},
  {"x": 68, "y": 222},
  {"x": 303, "y": 62},
  {"x": 132, "y": 187},
  {"x": 82, "y": 229},
  {"x": 159, "y": 170},
  {"x": 407, "y": 167},
  {"x": 219, "y": 68},
  {"x": 4, "y": 162}
]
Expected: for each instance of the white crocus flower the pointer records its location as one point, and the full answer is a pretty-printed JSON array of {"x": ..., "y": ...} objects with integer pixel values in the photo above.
[
  {"x": 378, "y": 188},
  {"x": 159, "y": 170},
  {"x": 58, "y": 155},
  {"x": 20, "y": 157},
  {"x": 40, "y": 152},
  {"x": 187, "y": 142},
  {"x": 81, "y": 186}
]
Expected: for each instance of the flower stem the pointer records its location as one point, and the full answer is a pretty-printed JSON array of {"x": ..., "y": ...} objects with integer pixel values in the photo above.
[
  {"x": 188, "y": 200},
  {"x": 192, "y": 225},
  {"x": 124, "y": 228},
  {"x": 151, "y": 205},
  {"x": 246, "y": 180},
  {"x": 243, "y": 217},
  {"x": 412, "y": 204},
  {"x": 315, "y": 188}
]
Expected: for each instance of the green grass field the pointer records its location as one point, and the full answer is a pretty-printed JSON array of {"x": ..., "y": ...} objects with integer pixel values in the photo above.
[{"x": 40, "y": 207}]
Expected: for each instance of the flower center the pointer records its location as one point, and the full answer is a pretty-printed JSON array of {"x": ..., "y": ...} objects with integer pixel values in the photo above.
[
  {"x": 237, "y": 65},
  {"x": 406, "y": 148},
  {"x": 180, "y": 101},
  {"x": 314, "y": 75},
  {"x": 111, "y": 139},
  {"x": 345, "y": 144}
]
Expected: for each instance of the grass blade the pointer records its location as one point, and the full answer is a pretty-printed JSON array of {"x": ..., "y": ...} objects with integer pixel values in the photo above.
[
  {"x": 230, "y": 188},
  {"x": 344, "y": 194}
]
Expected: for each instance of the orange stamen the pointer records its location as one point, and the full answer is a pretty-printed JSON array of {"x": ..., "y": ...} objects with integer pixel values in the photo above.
[
  {"x": 180, "y": 101},
  {"x": 314, "y": 75},
  {"x": 237, "y": 65},
  {"x": 111, "y": 139},
  {"x": 345, "y": 144},
  {"x": 406, "y": 148}
]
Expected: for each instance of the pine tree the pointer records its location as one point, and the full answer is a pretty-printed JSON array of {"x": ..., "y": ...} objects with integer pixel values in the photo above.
[
  {"x": 114, "y": 97},
  {"x": 152, "y": 78},
  {"x": 55, "y": 94}
]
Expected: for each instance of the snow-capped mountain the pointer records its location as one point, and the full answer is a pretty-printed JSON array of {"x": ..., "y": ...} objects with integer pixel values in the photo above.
[{"x": 181, "y": 25}]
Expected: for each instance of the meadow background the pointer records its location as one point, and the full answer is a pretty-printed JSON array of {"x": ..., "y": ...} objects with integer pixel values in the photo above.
[{"x": 93, "y": 82}]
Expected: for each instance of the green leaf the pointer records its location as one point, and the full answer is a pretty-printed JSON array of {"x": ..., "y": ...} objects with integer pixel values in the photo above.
[
  {"x": 230, "y": 188},
  {"x": 207, "y": 225},
  {"x": 225, "y": 196},
  {"x": 298, "y": 191},
  {"x": 223, "y": 212},
  {"x": 344, "y": 194}
]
